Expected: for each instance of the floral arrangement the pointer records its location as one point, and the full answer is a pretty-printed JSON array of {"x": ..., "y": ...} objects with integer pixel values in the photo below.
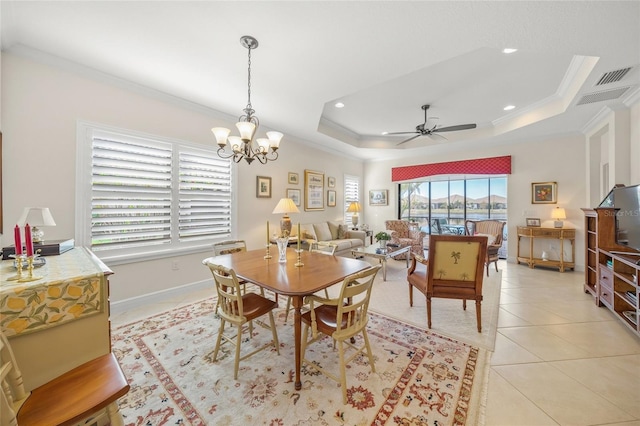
[{"x": 382, "y": 236}]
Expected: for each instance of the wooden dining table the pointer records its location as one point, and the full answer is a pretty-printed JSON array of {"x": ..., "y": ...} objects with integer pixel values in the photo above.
[{"x": 318, "y": 273}]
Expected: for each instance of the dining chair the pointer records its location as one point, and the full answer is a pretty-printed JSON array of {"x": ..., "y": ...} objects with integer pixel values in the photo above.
[
  {"x": 454, "y": 270},
  {"x": 315, "y": 247},
  {"x": 228, "y": 247},
  {"x": 85, "y": 394},
  {"x": 342, "y": 319},
  {"x": 239, "y": 309}
]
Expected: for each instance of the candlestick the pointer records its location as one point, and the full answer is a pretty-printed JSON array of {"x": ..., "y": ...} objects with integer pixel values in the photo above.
[
  {"x": 299, "y": 235},
  {"x": 268, "y": 255},
  {"x": 28, "y": 241},
  {"x": 17, "y": 240},
  {"x": 268, "y": 241},
  {"x": 30, "y": 276}
]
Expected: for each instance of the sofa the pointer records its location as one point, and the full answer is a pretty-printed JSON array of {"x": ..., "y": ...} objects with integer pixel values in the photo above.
[{"x": 332, "y": 232}]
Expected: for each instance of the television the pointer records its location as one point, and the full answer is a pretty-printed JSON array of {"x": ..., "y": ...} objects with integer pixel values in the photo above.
[{"x": 627, "y": 202}]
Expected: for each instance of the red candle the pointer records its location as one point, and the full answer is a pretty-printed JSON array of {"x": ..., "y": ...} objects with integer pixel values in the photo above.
[
  {"x": 17, "y": 240},
  {"x": 27, "y": 240}
]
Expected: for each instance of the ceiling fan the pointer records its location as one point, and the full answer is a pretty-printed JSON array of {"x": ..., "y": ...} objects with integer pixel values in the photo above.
[{"x": 423, "y": 130}]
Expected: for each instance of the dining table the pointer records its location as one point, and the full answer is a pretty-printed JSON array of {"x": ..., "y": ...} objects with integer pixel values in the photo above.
[{"x": 318, "y": 272}]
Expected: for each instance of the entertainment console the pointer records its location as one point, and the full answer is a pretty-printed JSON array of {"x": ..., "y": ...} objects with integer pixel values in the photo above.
[{"x": 612, "y": 272}]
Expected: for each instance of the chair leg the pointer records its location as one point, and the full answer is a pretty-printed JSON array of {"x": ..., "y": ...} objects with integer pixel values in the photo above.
[
  {"x": 114, "y": 415},
  {"x": 410, "y": 295},
  {"x": 496, "y": 265},
  {"x": 343, "y": 372},
  {"x": 479, "y": 315},
  {"x": 287, "y": 309},
  {"x": 369, "y": 353},
  {"x": 276, "y": 343},
  {"x": 464, "y": 304},
  {"x": 488, "y": 268},
  {"x": 429, "y": 312},
  {"x": 218, "y": 340},
  {"x": 238, "y": 342}
]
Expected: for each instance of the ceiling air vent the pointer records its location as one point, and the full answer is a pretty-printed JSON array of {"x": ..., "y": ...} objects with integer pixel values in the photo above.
[
  {"x": 605, "y": 95},
  {"x": 613, "y": 76}
]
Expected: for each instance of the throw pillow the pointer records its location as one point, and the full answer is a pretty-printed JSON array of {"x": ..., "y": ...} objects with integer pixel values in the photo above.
[
  {"x": 341, "y": 232},
  {"x": 333, "y": 227},
  {"x": 322, "y": 231},
  {"x": 490, "y": 238}
]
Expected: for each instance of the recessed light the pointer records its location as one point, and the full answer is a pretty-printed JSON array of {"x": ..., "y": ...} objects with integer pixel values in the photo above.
[
  {"x": 385, "y": 133},
  {"x": 509, "y": 50},
  {"x": 339, "y": 105},
  {"x": 509, "y": 107}
]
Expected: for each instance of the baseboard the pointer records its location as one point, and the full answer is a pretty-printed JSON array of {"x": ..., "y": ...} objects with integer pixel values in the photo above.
[{"x": 159, "y": 296}]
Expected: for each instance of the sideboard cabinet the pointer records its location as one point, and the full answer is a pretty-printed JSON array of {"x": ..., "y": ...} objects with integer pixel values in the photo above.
[
  {"x": 530, "y": 237},
  {"x": 611, "y": 270}
]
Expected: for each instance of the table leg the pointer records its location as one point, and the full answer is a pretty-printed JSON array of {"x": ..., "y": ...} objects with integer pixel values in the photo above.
[
  {"x": 407, "y": 256},
  {"x": 297, "y": 326},
  {"x": 384, "y": 269}
]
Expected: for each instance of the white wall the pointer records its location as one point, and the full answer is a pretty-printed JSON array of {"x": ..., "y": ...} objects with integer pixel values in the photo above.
[
  {"x": 41, "y": 106},
  {"x": 560, "y": 160}
]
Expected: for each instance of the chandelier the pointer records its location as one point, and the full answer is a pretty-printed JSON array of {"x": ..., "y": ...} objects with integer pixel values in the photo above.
[{"x": 265, "y": 149}]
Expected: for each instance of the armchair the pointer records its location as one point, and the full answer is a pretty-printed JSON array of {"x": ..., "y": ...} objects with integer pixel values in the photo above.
[
  {"x": 493, "y": 230},
  {"x": 405, "y": 234}
]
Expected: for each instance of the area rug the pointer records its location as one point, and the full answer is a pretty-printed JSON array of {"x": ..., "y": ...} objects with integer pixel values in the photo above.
[
  {"x": 421, "y": 378},
  {"x": 391, "y": 298}
]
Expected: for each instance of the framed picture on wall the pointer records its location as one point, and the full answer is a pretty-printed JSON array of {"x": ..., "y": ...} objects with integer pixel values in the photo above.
[
  {"x": 331, "y": 198},
  {"x": 263, "y": 187},
  {"x": 544, "y": 193},
  {"x": 293, "y": 178},
  {"x": 331, "y": 182},
  {"x": 294, "y": 194},
  {"x": 313, "y": 190},
  {"x": 379, "y": 197}
]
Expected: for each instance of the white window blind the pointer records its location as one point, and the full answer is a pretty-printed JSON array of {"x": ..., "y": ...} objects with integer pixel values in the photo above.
[
  {"x": 351, "y": 193},
  {"x": 151, "y": 197}
]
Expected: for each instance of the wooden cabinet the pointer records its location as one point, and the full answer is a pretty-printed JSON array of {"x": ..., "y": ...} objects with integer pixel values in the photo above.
[
  {"x": 615, "y": 283},
  {"x": 60, "y": 320},
  {"x": 529, "y": 238}
]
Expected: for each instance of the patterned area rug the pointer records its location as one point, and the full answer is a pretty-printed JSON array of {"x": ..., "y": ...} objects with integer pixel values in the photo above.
[{"x": 421, "y": 378}]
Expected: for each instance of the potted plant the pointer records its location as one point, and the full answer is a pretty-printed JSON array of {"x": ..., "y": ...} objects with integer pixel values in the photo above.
[{"x": 382, "y": 237}]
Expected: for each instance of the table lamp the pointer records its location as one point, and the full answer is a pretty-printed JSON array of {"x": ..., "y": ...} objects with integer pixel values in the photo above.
[
  {"x": 354, "y": 208},
  {"x": 558, "y": 214},
  {"x": 35, "y": 217},
  {"x": 286, "y": 206}
]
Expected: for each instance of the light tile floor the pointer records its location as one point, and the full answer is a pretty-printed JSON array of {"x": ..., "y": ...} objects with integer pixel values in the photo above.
[{"x": 558, "y": 360}]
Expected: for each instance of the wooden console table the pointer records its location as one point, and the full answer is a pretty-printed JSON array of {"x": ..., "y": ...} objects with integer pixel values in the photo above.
[
  {"x": 59, "y": 321},
  {"x": 534, "y": 234}
]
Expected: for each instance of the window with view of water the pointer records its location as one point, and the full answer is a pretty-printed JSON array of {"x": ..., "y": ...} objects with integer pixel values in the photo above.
[{"x": 441, "y": 207}]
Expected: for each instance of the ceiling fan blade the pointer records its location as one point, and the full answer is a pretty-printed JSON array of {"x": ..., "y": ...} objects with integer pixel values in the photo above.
[
  {"x": 410, "y": 139},
  {"x": 401, "y": 133},
  {"x": 437, "y": 136},
  {"x": 455, "y": 128}
]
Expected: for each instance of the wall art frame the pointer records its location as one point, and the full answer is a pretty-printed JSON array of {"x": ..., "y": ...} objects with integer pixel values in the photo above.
[
  {"x": 533, "y": 222},
  {"x": 331, "y": 182},
  {"x": 379, "y": 197},
  {"x": 263, "y": 187},
  {"x": 331, "y": 198},
  {"x": 294, "y": 194},
  {"x": 292, "y": 178},
  {"x": 544, "y": 193},
  {"x": 313, "y": 190}
]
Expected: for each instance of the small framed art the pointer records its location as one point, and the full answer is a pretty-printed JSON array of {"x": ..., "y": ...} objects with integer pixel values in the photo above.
[
  {"x": 331, "y": 182},
  {"x": 263, "y": 187},
  {"x": 331, "y": 198},
  {"x": 379, "y": 197},
  {"x": 533, "y": 222},
  {"x": 544, "y": 193},
  {"x": 294, "y": 194},
  {"x": 293, "y": 178}
]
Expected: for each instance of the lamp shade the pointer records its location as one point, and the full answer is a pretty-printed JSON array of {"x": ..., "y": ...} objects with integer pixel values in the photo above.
[
  {"x": 558, "y": 213},
  {"x": 36, "y": 216},
  {"x": 354, "y": 207},
  {"x": 286, "y": 205}
]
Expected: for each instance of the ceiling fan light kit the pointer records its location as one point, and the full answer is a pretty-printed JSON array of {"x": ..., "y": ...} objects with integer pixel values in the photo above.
[{"x": 423, "y": 130}]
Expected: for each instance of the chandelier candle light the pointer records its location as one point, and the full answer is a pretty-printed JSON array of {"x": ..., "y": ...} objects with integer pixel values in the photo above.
[{"x": 242, "y": 146}]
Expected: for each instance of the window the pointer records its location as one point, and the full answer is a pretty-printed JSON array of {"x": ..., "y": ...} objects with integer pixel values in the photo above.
[
  {"x": 351, "y": 193},
  {"x": 143, "y": 197}
]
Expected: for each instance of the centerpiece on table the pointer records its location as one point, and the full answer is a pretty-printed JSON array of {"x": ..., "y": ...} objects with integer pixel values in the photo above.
[{"x": 382, "y": 237}]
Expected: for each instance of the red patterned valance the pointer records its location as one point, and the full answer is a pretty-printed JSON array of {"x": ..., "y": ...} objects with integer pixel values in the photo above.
[{"x": 480, "y": 166}]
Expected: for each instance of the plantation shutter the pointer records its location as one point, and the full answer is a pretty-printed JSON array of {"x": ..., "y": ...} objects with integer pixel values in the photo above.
[
  {"x": 351, "y": 193},
  {"x": 131, "y": 193},
  {"x": 205, "y": 195}
]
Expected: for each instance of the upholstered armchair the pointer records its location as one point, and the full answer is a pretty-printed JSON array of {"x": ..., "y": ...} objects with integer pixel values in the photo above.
[
  {"x": 493, "y": 230},
  {"x": 405, "y": 234}
]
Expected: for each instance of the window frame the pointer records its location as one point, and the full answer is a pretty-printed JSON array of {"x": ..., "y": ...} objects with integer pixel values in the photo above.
[{"x": 86, "y": 131}]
